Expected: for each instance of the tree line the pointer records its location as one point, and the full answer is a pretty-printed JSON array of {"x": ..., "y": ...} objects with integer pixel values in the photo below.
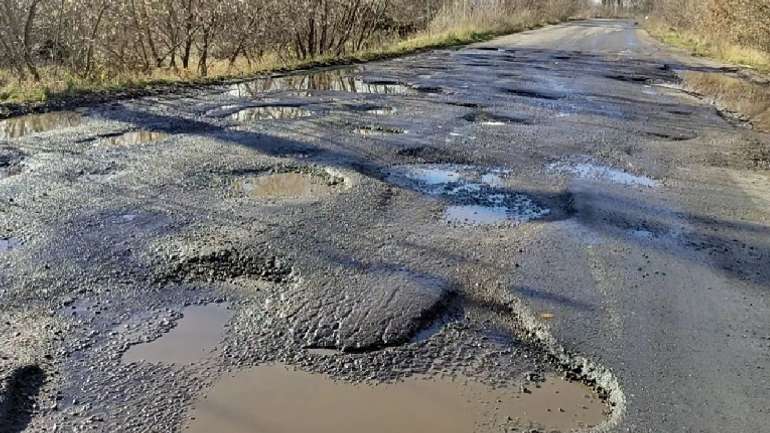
[{"x": 98, "y": 38}]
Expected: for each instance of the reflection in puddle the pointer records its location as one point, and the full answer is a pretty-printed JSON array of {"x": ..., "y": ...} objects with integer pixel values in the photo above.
[
  {"x": 136, "y": 137},
  {"x": 271, "y": 113},
  {"x": 287, "y": 185},
  {"x": 589, "y": 170},
  {"x": 337, "y": 80},
  {"x": 273, "y": 399},
  {"x": 8, "y": 244},
  {"x": 473, "y": 214},
  {"x": 476, "y": 195},
  {"x": 196, "y": 333},
  {"x": 34, "y": 123}
]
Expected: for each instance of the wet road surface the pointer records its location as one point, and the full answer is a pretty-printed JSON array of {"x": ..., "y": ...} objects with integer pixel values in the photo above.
[{"x": 550, "y": 204}]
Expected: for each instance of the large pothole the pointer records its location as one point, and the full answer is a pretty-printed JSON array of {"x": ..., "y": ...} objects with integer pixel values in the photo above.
[
  {"x": 475, "y": 195},
  {"x": 35, "y": 123},
  {"x": 273, "y": 399},
  {"x": 305, "y": 186}
]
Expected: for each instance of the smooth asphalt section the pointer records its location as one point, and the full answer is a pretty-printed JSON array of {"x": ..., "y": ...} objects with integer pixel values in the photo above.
[{"x": 638, "y": 236}]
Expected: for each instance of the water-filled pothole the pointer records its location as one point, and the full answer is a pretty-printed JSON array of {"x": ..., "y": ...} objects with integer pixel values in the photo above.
[
  {"x": 586, "y": 168},
  {"x": 290, "y": 185},
  {"x": 135, "y": 137},
  {"x": 34, "y": 123},
  {"x": 273, "y": 399},
  {"x": 277, "y": 112},
  {"x": 198, "y": 331},
  {"x": 334, "y": 80},
  {"x": 476, "y": 195}
]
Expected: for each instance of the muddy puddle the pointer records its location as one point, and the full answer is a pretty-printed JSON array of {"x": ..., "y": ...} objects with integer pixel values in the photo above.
[
  {"x": 270, "y": 113},
  {"x": 197, "y": 333},
  {"x": 288, "y": 186},
  {"x": 336, "y": 80},
  {"x": 274, "y": 399},
  {"x": 133, "y": 138},
  {"x": 588, "y": 169},
  {"x": 35, "y": 123},
  {"x": 475, "y": 195}
]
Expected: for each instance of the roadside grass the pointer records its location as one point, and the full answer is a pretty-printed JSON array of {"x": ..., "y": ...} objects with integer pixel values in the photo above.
[
  {"x": 58, "y": 84},
  {"x": 734, "y": 94},
  {"x": 702, "y": 45}
]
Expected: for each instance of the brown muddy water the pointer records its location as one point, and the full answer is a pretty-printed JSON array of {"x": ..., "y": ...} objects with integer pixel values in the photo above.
[
  {"x": 35, "y": 123},
  {"x": 285, "y": 186},
  {"x": 274, "y": 399},
  {"x": 198, "y": 331},
  {"x": 271, "y": 113}
]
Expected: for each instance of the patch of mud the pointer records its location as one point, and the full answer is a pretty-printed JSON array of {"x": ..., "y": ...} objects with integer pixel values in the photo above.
[
  {"x": 475, "y": 195},
  {"x": 198, "y": 331},
  {"x": 133, "y": 138},
  {"x": 35, "y": 123},
  {"x": 226, "y": 264},
  {"x": 287, "y": 186},
  {"x": 671, "y": 135},
  {"x": 588, "y": 169},
  {"x": 8, "y": 244},
  {"x": 628, "y": 78},
  {"x": 273, "y": 399},
  {"x": 276, "y": 112}
]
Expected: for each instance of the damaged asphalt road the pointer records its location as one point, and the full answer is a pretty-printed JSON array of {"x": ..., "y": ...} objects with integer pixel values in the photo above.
[{"x": 547, "y": 203}]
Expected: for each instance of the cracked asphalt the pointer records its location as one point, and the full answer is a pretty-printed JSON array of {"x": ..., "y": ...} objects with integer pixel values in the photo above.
[{"x": 647, "y": 278}]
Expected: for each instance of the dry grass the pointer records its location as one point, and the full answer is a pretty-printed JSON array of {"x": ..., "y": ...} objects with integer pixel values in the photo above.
[
  {"x": 709, "y": 45},
  {"x": 734, "y": 94},
  {"x": 57, "y": 83}
]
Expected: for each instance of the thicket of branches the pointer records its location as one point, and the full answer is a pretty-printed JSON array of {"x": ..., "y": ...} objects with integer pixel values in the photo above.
[{"x": 93, "y": 39}]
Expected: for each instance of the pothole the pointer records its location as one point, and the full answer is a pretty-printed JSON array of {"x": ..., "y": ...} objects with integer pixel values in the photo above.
[
  {"x": 534, "y": 94},
  {"x": 8, "y": 244},
  {"x": 490, "y": 119},
  {"x": 132, "y": 138},
  {"x": 198, "y": 331},
  {"x": 476, "y": 195},
  {"x": 335, "y": 80},
  {"x": 290, "y": 185},
  {"x": 432, "y": 155},
  {"x": 10, "y": 161},
  {"x": 35, "y": 123},
  {"x": 273, "y": 399},
  {"x": 585, "y": 168},
  {"x": 378, "y": 130},
  {"x": 276, "y": 112},
  {"x": 226, "y": 264}
]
